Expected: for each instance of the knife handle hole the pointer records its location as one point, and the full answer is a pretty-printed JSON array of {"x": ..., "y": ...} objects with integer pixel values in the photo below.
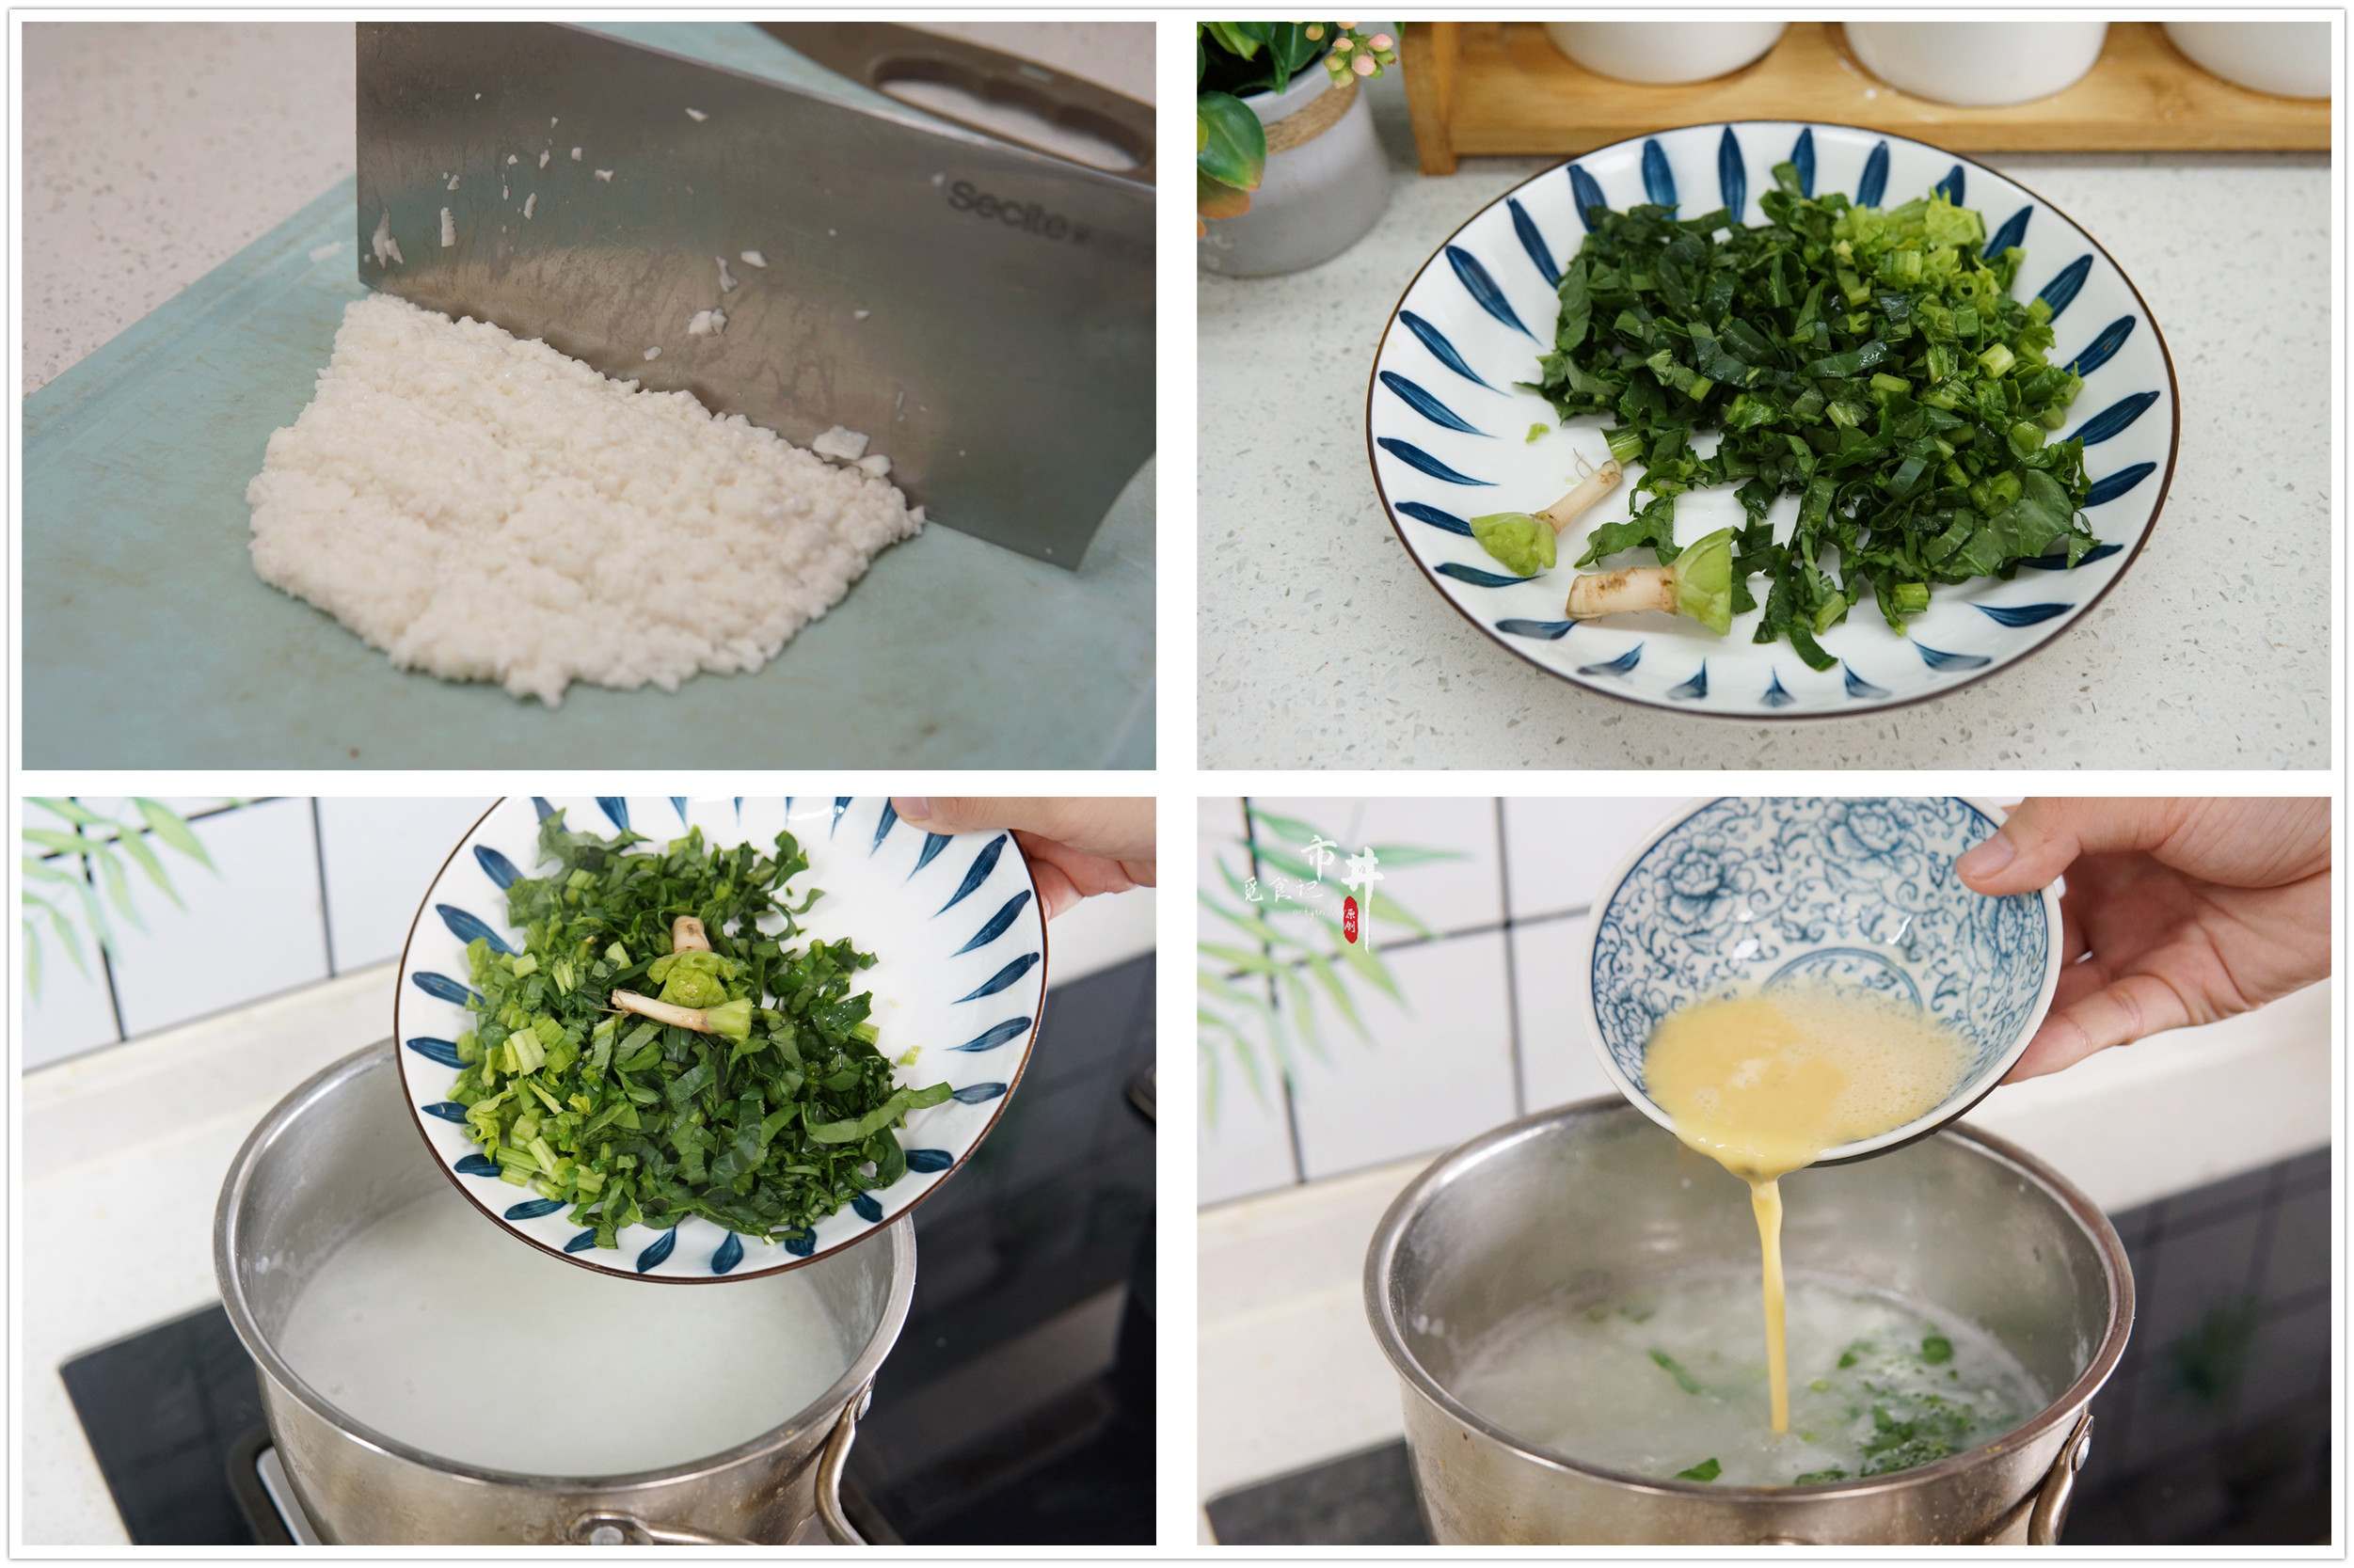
[{"x": 1022, "y": 113}]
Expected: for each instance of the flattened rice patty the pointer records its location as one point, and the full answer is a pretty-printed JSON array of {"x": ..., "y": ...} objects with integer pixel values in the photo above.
[{"x": 484, "y": 508}]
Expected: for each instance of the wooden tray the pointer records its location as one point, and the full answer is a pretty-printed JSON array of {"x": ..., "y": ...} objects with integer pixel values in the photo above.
[{"x": 1491, "y": 88}]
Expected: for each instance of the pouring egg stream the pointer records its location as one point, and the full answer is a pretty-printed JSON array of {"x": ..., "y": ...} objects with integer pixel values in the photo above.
[{"x": 1764, "y": 1083}]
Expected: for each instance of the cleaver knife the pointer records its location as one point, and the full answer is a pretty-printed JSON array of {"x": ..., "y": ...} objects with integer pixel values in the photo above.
[{"x": 981, "y": 311}]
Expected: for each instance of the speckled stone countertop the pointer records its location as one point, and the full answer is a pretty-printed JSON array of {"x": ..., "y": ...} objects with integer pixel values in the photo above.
[
  {"x": 1321, "y": 646},
  {"x": 153, "y": 151}
]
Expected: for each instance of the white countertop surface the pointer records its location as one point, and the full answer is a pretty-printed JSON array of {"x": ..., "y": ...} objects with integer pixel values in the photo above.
[
  {"x": 124, "y": 1151},
  {"x": 1290, "y": 1374},
  {"x": 1323, "y": 646}
]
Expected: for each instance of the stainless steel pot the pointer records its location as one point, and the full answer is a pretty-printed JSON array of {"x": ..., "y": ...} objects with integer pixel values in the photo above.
[
  {"x": 338, "y": 1154},
  {"x": 1567, "y": 1204}
]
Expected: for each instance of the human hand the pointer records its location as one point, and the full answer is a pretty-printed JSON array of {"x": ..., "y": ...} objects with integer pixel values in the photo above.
[
  {"x": 1077, "y": 846},
  {"x": 2175, "y": 913}
]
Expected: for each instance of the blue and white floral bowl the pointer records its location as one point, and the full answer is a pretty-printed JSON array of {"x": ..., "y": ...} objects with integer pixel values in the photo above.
[
  {"x": 1446, "y": 422},
  {"x": 1736, "y": 894},
  {"x": 960, "y": 974}
]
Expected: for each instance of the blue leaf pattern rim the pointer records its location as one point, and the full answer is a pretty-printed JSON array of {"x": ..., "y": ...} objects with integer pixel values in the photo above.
[
  {"x": 1730, "y": 892},
  {"x": 956, "y": 924},
  {"x": 1454, "y": 340}
]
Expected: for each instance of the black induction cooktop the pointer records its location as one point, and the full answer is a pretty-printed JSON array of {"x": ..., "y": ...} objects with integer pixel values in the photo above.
[{"x": 1016, "y": 1409}]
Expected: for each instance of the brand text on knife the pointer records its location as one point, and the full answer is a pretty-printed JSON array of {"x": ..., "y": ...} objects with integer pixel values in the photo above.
[{"x": 1028, "y": 217}]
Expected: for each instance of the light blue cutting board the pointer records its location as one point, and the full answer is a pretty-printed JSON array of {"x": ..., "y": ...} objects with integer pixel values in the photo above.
[{"x": 149, "y": 643}]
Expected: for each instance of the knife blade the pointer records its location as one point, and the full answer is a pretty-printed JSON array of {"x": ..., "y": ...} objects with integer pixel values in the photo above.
[{"x": 982, "y": 312}]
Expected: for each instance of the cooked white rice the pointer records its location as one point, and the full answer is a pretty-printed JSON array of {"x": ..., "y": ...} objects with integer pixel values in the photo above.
[{"x": 484, "y": 508}]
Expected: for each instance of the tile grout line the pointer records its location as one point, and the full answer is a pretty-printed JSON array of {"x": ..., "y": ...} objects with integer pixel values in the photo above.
[
  {"x": 105, "y": 960},
  {"x": 327, "y": 921},
  {"x": 197, "y": 816},
  {"x": 1512, "y": 969}
]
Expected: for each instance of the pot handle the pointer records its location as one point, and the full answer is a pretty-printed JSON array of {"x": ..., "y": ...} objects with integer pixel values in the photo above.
[
  {"x": 604, "y": 1527},
  {"x": 829, "y": 1467},
  {"x": 2059, "y": 1485}
]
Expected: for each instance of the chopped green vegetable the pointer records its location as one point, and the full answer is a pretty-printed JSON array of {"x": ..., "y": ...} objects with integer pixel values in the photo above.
[
  {"x": 1895, "y": 1445},
  {"x": 1684, "y": 1380},
  {"x": 1519, "y": 541},
  {"x": 1816, "y": 1478},
  {"x": 1871, "y": 363},
  {"x": 1707, "y": 1469},
  {"x": 1936, "y": 1349},
  {"x": 877, "y": 1119},
  {"x": 1536, "y": 432},
  {"x": 765, "y": 1110}
]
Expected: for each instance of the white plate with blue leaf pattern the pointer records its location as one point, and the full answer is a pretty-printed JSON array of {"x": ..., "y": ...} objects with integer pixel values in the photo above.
[
  {"x": 1743, "y": 894},
  {"x": 1446, "y": 420},
  {"x": 960, "y": 977}
]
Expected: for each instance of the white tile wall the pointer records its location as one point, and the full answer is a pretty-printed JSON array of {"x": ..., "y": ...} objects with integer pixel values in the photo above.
[
  {"x": 1450, "y": 1063},
  {"x": 256, "y": 924},
  {"x": 74, "y": 1010},
  {"x": 1244, "y": 1143},
  {"x": 1218, "y": 823},
  {"x": 379, "y": 856},
  {"x": 1559, "y": 851},
  {"x": 1558, "y": 1062},
  {"x": 1438, "y": 1071},
  {"x": 1243, "y": 1138},
  {"x": 249, "y": 927}
]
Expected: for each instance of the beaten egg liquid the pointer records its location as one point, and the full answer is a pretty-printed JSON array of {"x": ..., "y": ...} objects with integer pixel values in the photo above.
[{"x": 1763, "y": 1084}]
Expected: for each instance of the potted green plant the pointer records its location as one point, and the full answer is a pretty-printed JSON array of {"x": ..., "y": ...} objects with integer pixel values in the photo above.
[{"x": 1288, "y": 172}]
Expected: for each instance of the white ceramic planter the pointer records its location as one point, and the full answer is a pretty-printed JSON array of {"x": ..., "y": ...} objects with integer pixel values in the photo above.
[
  {"x": 1978, "y": 64},
  {"x": 1664, "y": 51},
  {"x": 2289, "y": 58},
  {"x": 1316, "y": 199}
]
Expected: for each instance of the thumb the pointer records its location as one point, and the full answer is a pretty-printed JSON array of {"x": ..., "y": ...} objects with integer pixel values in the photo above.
[
  {"x": 1116, "y": 827},
  {"x": 2042, "y": 837}
]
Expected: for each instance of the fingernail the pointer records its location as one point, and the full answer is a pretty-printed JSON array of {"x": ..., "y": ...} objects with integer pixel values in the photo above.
[
  {"x": 911, "y": 808},
  {"x": 1987, "y": 857}
]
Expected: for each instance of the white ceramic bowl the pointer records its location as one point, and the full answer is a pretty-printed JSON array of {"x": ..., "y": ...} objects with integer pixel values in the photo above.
[
  {"x": 1445, "y": 409},
  {"x": 2289, "y": 58},
  {"x": 1662, "y": 52},
  {"x": 1978, "y": 64},
  {"x": 960, "y": 944},
  {"x": 1733, "y": 894}
]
